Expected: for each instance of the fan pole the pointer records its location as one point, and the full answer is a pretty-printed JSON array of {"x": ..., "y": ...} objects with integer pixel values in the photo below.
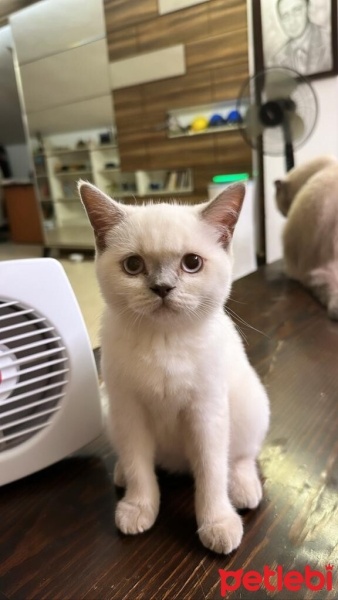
[
  {"x": 289, "y": 157},
  {"x": 288, "y": 147}
]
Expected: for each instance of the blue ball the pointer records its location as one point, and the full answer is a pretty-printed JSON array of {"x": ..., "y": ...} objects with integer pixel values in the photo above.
[
  {"x": 234, "y": 117},
  {"x": 216, "y": 120}
]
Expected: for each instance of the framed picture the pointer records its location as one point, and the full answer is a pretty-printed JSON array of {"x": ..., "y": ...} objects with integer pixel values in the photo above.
[{"x": 298, "y": 34}]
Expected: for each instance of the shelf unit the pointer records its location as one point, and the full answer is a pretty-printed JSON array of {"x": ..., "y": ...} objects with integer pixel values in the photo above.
[
  {"x": 61, "y": 160},
  {"x": 151, "y": 184}
]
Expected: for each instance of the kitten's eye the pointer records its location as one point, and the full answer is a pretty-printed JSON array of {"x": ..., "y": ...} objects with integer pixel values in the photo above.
[
  {"x": 191, "y": 263},
  {"x": 133, "y": 265}
]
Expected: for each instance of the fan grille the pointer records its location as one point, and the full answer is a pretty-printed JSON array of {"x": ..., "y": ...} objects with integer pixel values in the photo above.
[
  {"x": 253, "y": 94},
  {"x": 33, "y": 373}
]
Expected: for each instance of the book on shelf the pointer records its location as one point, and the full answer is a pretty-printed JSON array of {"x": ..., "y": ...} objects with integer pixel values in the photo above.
[{"x": 172, "y": 181}]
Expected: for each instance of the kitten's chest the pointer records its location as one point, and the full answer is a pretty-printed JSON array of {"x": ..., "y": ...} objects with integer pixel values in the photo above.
[{"x": 163, "y": 366}]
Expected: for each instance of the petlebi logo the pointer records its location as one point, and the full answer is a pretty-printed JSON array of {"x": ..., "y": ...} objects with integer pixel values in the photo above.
[{"x": 276, "y": 580}]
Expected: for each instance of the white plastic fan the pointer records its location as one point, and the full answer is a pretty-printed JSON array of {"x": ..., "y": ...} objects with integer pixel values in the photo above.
[{"x": 49, "y": 393}]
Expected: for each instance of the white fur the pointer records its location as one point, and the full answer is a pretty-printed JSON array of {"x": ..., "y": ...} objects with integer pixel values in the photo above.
[{"x": 182, "y": 392}]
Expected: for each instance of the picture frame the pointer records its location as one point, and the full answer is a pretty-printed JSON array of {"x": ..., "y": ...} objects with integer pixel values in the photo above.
[{"x": 296, "y": 34}]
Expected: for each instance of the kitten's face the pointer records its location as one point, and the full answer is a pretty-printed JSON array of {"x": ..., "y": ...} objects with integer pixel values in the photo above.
[{"x": 165, "y": 263}]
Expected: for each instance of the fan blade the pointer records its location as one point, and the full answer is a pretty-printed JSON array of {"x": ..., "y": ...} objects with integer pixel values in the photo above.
[
  {"x": 254, "y": 127},
  {"x": 279, "y": 84},
  {"x": 297, "y": 126}
]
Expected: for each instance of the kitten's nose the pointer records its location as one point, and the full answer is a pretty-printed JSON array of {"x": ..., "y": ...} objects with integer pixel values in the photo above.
[{"x": 161, "y": 290}]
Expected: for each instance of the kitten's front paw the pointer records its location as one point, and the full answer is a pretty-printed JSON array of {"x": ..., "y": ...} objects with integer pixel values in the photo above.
[
  {"x": 245, "y": 488},
  {"x": 132, "y": 518},
  {"x": 224, "y": 535}
]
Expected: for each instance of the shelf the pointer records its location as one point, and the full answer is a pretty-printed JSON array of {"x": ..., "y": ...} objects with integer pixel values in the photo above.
[
  {"x": 51, "y": 152},
  {"x": 208, "y": 130},
  {"x": 206, "y": 119},
  {"x": 150, "y": 193},
  {"x": 71, "y": 173},
  {"x": 169, "y": 192},
  {"x": 104, "y": 147}
]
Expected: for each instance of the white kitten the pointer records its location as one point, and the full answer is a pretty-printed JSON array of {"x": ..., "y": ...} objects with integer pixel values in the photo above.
[{"x": 182, "y": 392}]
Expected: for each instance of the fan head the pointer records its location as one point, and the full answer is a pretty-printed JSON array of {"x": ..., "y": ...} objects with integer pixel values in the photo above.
[{"x": 272, "y": 101}]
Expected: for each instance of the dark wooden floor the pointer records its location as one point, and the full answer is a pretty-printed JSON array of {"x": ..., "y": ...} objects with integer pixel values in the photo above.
[{"x": 58, "y": 538}]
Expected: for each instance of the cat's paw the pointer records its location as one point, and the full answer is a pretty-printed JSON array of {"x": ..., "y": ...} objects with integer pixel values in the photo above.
[
  {"x": 224, "y": 535},
  {"x": 119, "y": 479},
  {"x": 245, "y": 488},
  {"x": 132, "y": 518}
]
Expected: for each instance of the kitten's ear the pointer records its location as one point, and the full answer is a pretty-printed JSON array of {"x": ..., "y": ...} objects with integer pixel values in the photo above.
[
  {"x": 278, "y": 184},
  {"x": 223, "y": 212},
  {"x": 102, "y": 211}
]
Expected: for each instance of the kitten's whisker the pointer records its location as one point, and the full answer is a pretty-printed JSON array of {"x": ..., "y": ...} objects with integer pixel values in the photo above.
[
  {"x": 237, "y": 301},
  {"x": 236, "y": 316},
  {"x": 242, "y": 334}
]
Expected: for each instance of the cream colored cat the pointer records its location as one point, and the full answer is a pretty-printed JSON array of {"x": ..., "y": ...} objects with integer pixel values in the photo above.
[
  {"x": 308, "y": 197},
  {"x": 182, "y": 392}
]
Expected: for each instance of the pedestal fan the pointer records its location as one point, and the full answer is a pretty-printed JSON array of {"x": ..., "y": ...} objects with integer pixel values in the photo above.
[{"x": 280, "y": 105}]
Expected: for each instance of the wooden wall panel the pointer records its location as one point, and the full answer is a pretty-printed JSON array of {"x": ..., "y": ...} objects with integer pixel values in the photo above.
[
  {"x": 128, "y": 105},
  {"x": 174, "y": 28},
  {"x": 133, "y": 149},
  {"x": 120, "y": 14},
  {"x": 218, "y": 51},
  {"x": 232, "y": 153},
  {"x": 177, "y": 92},
  {"x": 227, "y": 82},
  {"x": 227, "y": 16},
  {"x": 122, "y": 43},
  {"x": 180, "y": 152},
  {"x": 214, "y": 34}
]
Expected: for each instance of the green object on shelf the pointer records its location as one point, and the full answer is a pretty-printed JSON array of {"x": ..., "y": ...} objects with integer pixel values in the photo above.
[{"x": 230, "y": 178}]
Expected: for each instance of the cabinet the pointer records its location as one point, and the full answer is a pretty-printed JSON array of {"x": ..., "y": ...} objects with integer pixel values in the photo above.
[{"x": 23, "y": 213}]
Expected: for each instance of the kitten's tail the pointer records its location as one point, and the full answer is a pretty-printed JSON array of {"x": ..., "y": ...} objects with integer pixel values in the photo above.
[{"x": 324, "y": 280}]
